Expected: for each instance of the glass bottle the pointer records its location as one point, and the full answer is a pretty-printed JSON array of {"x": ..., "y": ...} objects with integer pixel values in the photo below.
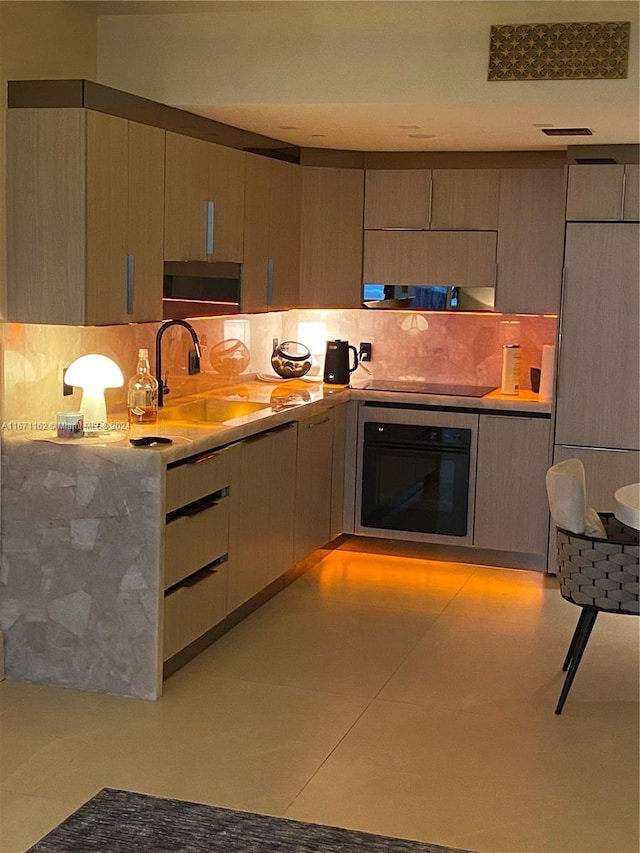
[{"x": 142, "y": 398}]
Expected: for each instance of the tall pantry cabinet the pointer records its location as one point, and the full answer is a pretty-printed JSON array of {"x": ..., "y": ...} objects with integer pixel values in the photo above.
[{"x": 597, "y": 409}]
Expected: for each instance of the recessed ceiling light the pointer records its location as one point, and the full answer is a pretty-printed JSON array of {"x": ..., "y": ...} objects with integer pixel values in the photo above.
[
  {"x": 318, "y": 134},
  {"x": 567, "y": 131},
  {"x": 288, "y": 127},
  {"x": 421, "y": 135},
  {"x": 409, "y": 126}
]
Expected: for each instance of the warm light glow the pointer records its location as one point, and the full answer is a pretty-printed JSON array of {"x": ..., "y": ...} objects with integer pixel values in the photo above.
[{"x": 93, "y": 373}]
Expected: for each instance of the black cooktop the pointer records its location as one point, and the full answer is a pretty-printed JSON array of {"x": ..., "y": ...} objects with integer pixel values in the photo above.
[{"x": 429, "y": 388}]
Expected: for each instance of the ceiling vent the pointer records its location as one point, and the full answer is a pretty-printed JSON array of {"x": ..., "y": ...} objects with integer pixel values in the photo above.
[{"x": 567, "y": 131}]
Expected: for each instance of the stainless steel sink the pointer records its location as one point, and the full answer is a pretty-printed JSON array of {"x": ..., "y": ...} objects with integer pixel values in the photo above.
[{"x": 210, "y": 410}]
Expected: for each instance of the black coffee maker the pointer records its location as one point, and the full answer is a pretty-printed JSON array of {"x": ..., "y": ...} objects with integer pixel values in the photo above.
[{"x": 337, "y": 369}]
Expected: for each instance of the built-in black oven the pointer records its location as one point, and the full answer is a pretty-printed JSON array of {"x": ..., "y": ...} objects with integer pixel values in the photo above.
[{"x": 416, "y": 474}]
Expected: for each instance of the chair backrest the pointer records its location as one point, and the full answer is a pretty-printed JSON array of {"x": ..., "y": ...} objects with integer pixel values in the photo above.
[{"x": 566, "y": 493}]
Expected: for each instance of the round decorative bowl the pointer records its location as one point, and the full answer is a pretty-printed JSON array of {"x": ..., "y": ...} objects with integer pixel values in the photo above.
[{"x": 291, "y": 359}]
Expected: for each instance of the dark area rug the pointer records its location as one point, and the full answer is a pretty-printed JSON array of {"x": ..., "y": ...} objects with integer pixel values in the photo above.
[{"x": 119, "y": 821}]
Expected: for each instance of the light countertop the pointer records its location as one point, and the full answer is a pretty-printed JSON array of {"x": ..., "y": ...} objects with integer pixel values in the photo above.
[{"x": 282, "y": 403}]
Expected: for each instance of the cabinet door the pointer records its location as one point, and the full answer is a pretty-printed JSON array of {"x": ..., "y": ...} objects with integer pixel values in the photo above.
[
  {"x": 605, "y": 472},
  {"x": 465, "y": 199},
  {"x": 313, "y": 484},
  {"x": 256, "y": 233},
  {"x": 595, "y": 192},
  {"x": 631, "y": 211},
  {"x": 46, "y": 253},
  {"x": 186, "y": 198},
  {"x": 462, "y": 258},
  {"x": 338, "y": 470},
  {"x": 530, "y": 240},
  {"x": 146, "y": 222},
  {"x": 511, "y": 500},
  {"x": 284, "y": 234},
  {"x": 226, "y": 194},
  {"x": 261, "y": 513},
  {"x": 107, "y": 218},
  {"x": 331, "y": 252},
  {"x": 397, "y": 198},
  {"x": 597, "y": 394}
]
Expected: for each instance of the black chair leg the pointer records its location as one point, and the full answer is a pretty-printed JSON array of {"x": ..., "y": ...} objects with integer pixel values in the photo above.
[
  {"x": 584, "y": 615},
  {"x": 586, "y": 622}
]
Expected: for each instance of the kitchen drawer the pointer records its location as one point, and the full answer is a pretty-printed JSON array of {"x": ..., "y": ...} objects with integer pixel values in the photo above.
[
  {"x": 195, "y": 539},
  {"x": 191, "y": 609},
  {"x": 197, "y": 477}
]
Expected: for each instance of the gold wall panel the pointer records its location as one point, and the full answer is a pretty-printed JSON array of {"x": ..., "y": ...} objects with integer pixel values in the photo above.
[{"x": 559, "y": 51}]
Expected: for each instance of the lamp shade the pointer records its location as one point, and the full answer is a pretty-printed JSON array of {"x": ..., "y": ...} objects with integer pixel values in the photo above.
[{"x": 93, "y": 373}]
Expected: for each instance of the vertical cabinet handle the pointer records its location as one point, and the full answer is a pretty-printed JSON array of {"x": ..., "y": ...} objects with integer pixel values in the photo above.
[
  {"x": 131, "y": 281},
  {"x": 269, "y": 281},
  {"x": 211, "y": 211}
]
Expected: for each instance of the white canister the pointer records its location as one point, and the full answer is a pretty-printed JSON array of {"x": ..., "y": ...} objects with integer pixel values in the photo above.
[{"x": 510, "y": 369}]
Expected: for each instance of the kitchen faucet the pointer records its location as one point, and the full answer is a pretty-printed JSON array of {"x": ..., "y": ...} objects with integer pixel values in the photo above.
[{"x": 194, "y": 355}]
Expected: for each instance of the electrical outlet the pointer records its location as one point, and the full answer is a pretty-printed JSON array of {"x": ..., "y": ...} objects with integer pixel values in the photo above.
[
  {"x": 67, "y": 390},
  {"x": 194, "y": 363},
  {"x": 365, "y": 352}
]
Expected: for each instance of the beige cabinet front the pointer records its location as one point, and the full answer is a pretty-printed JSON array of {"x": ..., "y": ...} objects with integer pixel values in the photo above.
[
  {"x": 313, "y": 484},
  {"x": 84, "y": 218},
  {"x": 597, "y": 390},
  {"x": 457, "y": 258},
  {"x": 530, "y": 240},
  {"x": 196, "y": 547},
  {"x": 511, "y": 503},
  {"x": 262, "y": 512},
  {"x": 331, "y": 239},
  {"x": 271, "y": 269},
  {"x": 397, "y": 198},
  {"x": 204, "y": 201},
  {"x": 602, "y": 192},
  {"x": 465, "y": 199},
  {"x": 438, "y": 199}
]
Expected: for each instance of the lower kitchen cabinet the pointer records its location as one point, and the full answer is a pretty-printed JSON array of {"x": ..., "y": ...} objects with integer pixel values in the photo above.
[
  {"x": 262, "y": 512},
  {"x": 338, "y": 466},
  {"x": 313, "y": 484},
  {"x": 194, "y": 607},
  {"x": 196, "y": 547},
  {"x": 511, "y": 502}
]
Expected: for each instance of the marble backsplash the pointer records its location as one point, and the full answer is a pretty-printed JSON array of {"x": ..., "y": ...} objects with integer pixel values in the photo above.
[{"x": 436, "y": 347}]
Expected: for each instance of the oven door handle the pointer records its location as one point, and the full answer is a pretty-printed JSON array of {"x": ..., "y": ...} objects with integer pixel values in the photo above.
[{"x": 418, "y": 448}]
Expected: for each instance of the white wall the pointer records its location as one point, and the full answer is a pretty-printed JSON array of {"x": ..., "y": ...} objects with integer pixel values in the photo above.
[{"x": 368, "y": 52}]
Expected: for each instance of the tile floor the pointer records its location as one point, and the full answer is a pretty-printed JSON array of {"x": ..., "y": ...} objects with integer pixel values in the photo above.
[{"x": 384, "y": 693}]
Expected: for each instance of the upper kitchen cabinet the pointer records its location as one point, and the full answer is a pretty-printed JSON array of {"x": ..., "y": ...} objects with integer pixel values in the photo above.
[
  {"x": 530, "y": 240},
  {"x": 331, "y": 240},
  {"x": 465, "y": 199},
  {"x": 204, "y": 201},
  {"x": 84, "y": 218},
  {"x": 442, "y": 199},
  {"x": 271, "y": 268},
  {"x": 456, "y": 258},
  {"x": 397, "y": 198},
  {"x": 602, "y": 192}
]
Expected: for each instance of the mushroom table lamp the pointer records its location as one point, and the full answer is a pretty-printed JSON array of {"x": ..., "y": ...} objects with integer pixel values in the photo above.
[{"x": 93, "y": 373}]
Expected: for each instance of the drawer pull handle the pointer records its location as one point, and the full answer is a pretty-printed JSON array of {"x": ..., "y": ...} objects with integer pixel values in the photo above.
[
  {"x": 204, "y": 458},
  {"x": 200, "y": 508},
  {"x": 318, "y": 423}
]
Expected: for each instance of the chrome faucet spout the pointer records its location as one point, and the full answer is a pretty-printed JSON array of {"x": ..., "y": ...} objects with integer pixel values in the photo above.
[{"x": 194, "y": 356}]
